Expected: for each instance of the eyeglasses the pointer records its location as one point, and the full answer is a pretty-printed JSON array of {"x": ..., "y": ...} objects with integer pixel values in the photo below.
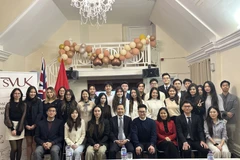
[{"x": 141, "y": 111}]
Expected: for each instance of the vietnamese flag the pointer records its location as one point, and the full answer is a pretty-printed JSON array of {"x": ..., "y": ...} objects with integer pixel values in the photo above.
[{"x": 62, "y": 80}]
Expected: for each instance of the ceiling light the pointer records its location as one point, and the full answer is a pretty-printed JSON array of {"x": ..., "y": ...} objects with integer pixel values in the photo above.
[{"x": 93, "y": 11}]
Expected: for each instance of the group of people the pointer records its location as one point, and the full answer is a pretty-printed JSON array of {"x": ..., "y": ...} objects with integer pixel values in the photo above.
[{"x": 166, "y": 119}]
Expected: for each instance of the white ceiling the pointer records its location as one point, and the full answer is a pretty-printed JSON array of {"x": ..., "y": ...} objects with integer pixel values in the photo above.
[
  {"x": 126, "y": 12},
  {"x": 191, "y": 23}
]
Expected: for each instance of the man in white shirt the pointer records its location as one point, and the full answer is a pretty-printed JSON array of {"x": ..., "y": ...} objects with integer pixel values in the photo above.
[{"x": 108, "y": 88}]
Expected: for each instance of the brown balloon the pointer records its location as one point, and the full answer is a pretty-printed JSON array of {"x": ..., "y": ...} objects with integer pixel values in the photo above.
[
  {"x": 139, "y": 45},
  {"x": 152, "y": 38},
  {"x": 89, "y": 49},
  {"x": 128, "y": 55},
  {"x": 74, "y": 44},
  {"x": 135, "y": 51},
  {"x": 97, "y": 62},
  {"x": 61, "y": 51},
  {"x": 105, "y": 60},
  {"x": 116, "y": 62},
  {"x": 72, "y": 48},
  {"x": 122, "y": 58},
  {"x": 98, "y": 51},
  {"x": 67, "y": 43},
  {"x": 70, "y": 54},
  {"x": 68, "y": 61},
  {"x": 106, "y": 53},
  {"x": 136, "y": 40}
]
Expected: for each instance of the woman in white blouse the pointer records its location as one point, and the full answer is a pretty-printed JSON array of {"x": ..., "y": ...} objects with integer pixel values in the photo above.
[
  {"x": 135, "y": 100},
  {"x": 216, "y": 133},
  {"x": 74, "y": 133},
  {"x": 154, "y": 103}
]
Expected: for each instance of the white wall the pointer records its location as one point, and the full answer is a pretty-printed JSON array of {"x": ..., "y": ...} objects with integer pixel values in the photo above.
[{"x": 174, "y": 56}]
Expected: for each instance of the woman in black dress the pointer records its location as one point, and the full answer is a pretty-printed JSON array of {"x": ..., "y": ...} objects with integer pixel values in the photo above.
[
  {"x": 102, "y": 102},
  {"x": 14, "y": 117},
  {"x": 33, "y": 116}
]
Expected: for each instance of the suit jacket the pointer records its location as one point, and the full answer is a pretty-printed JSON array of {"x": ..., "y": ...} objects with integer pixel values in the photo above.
[
  {"x": 54, "y": 135},
  {"x": 197, "y": 129},
  {"x": 162, "y": 89},
  {"x": 37, "y": 112},
  {"x": 127, "y": 124},
  {"x": 161, "y": 134}
]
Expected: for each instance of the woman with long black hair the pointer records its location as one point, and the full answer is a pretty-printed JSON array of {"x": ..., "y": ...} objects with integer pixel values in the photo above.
[
  {"x": 211, "y": 98},
  {"x": 216, "y": 133},
  {"x": 102, "y": 102},
  {"x": 197, "y": 102},
  {"x": 85, "y": 106},
  {"x": 173, "y": 103},
  {"x": 74, "y": 132},
  {"x": 67, "y": 103},
  {"x": 135, "y": 100},
  {"x": 14, "y": 118},
  {"x": 154, "y": 103},
  {"x": 97, "y": 135},
  {"x": 119, "y": 98},
  {"x": 166, "y": 134},
  {"x": 33, "y": 116}
]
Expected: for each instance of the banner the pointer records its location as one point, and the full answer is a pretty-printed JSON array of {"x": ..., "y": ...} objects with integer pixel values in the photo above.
[{"x": 9, "y": 81}]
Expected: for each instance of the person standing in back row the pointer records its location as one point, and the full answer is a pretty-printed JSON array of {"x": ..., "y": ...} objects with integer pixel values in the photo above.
[
  {"x": 230, "y": 104},
  {"x": 166, "y": 84}
]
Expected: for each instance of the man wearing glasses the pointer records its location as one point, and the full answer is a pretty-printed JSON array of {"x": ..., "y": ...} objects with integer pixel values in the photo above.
[
  {"x": 49, "y": 136},
  {"x": 190, "y": 132},
  {"x": 144, "y": 135}
]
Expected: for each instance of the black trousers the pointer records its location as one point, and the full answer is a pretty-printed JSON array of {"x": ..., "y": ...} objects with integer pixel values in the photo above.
[
  {"x": 169, "y": 148},
  {"x": 144, "y": 147},
  {"x": 195, "y": 145},
  {"x": 114, "y": 148}
]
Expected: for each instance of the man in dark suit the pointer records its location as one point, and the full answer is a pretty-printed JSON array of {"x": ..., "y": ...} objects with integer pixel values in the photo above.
[
  {"x": 166, "y": 84},
  {"x": 190, "y": 132},
  {"x": 120, "y": 132},
  {"x": 177, "y": 83},
  {"x": 49, "y": 135}
]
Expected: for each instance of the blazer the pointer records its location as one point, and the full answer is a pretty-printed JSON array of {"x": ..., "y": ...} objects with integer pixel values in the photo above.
[
  {"x": 162, "y": 89},
  {"x": 37, "y": 112},
  {"x": 161, "y": 134},
  {"x": 197, "y": 129},
  {"x": 54, "y": 135},
  {"x": 127, "y": 123},
  {"x": 97, "y": 138}
]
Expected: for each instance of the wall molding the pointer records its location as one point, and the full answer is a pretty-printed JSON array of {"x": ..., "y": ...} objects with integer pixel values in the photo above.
[
  {"x": 220, "y": 45},
  {"x": 4, "y": 55}
]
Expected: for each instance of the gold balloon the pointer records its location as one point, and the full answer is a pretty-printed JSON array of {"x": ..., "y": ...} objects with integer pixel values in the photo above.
[
  {"x": 142, "y": 36},
  {"x": 61, "y": 46}
]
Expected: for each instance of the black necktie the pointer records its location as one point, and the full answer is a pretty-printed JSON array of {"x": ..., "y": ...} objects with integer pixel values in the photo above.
[
  {"x": 189, "y": 124},
  {"x": 166, "y": 88}
]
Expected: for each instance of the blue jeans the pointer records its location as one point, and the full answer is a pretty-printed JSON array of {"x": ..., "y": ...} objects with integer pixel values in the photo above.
[
  {"x": 54, "y": 151},
  {"x": 77, "y": 152}
]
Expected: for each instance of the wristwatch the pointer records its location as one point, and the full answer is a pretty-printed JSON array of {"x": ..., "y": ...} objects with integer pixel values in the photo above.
[{"x": 215, "y": 144}]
